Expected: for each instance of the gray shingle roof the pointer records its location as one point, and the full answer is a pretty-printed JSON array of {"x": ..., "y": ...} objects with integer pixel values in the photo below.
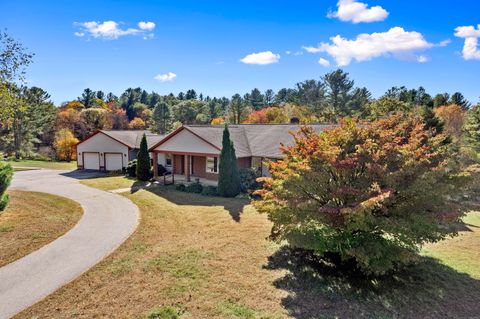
[
  {"x": 259, "y": 140},
  {"x": 133, "y": 138}
]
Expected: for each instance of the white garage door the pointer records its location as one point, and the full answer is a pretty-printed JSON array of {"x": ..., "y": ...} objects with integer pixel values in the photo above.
[
  {"x": 91, "y": 161},
  {"x": 113, "y": 162}
]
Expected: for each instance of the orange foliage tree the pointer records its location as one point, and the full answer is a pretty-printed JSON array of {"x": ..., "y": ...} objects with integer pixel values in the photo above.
[
  {"x": 453, "y": 117},
  {"x": 370, "y": 194},
  {"x": 65, "y": 145}
]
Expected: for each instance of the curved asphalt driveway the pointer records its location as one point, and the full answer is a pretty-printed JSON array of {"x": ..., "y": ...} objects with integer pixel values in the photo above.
[{"x": 108, "y": 220}]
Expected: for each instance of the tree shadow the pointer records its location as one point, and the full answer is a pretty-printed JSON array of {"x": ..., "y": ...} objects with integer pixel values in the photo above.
[
  {"x": 234, "y": 206},
  {"x": 84, "y": 174},
  {"x": 316, "y": 289}
]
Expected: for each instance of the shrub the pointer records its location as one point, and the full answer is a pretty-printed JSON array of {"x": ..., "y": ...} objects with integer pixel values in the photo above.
[
  {"x": 210, "y": 191},
  {"x": 228, "y": 179},
  {"x": 194, "y": 188},
  {"x": 180, "y": 187},
  {"x": 161, "y": 170},
  {"x": 144, "y": 172},
  {"x": 370, "y": 194},
  {"x": 6, "y": 173},
  {"x": 248, "y": 180},
  {"x": 132, "y": 168}
]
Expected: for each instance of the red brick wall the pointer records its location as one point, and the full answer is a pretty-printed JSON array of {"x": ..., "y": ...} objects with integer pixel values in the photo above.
[
  {"x": 244, "y": 162},
  {"x": 199, "y": 168}
]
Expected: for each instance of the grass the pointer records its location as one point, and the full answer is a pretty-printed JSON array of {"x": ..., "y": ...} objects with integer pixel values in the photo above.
[
  {"x": 44, "y": 164},
  {"x": 110, "y": 183},
  {"x": 207, "y": 257},
  {"x": 32, "y": 220}
]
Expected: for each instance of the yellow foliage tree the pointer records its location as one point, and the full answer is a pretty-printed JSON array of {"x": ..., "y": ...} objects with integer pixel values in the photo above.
[
  {"x": 65, "y": 145},
  {"x": 137, "y": 124},
  {"x": 217, "y": 121}
]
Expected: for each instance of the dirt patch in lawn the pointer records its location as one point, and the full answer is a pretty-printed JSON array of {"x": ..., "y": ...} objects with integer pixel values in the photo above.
[
  {"x": 205, "y": 257},
  {"x": 32, "y": 220}
]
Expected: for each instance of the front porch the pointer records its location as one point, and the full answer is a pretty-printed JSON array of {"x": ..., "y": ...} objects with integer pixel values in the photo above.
[
  {"x": 186, "y": 168},
  {"x": 182, "y": 179}
]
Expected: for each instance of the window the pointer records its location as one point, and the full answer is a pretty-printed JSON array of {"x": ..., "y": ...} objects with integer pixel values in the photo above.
[
  {"x": 212, "y": 165},
  {"x": 168, "y": 159}
]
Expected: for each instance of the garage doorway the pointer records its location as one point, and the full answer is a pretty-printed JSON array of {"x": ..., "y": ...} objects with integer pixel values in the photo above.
[
  {"x": 91, "y": 160},
  {"x": 113, "y": 161}
]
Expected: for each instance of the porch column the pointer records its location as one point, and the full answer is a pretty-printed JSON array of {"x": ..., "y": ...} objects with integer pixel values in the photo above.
[
  {"x": 155, "y": 164},
  {"x": 187, "y": 167}
]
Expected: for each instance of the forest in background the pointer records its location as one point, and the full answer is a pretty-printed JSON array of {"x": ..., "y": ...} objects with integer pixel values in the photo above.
[{"x": 31, "y": 126}]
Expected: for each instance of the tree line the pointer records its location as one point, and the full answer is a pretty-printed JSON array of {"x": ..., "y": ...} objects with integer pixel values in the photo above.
[{"x": 30, "y": 124}]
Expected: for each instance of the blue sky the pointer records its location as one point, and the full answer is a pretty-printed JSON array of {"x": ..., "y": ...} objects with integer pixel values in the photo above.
[{"x": 203, "y": 42}]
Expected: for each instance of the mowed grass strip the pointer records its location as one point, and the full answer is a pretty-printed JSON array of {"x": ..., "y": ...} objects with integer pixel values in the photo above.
[
  {"x": 111, "y": 183},
  {"x": 32, "y": 220},
  {"x": 197, "y": 257},
  {"x": 45, "y": 164}
]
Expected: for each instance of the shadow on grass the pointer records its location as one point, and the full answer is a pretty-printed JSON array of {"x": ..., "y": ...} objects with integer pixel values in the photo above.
[
  {"x": 427, "y": 290},
  {"x": 234, "y": 206},
  {"x": 84, "y": 174}
]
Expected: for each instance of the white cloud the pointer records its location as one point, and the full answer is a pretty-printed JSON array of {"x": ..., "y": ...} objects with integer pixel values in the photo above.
[
  {"x": 423, "y": 58},
  {"x": 165, "y": 77},
  {"x": 356, "y": 12},
  {"x": 298, "y": 53},
  {"x": 470, "y": 50},
  {"x": 444, "y": 43},
  {"x": 261, "y": 58},
  {"x": 288, "y": 52},
  {"x": 324, "y": 62},
  {"x": 149, "y": 26},
  {"x": 395, "y": 42},
  {"x": 111, "y": 30}
]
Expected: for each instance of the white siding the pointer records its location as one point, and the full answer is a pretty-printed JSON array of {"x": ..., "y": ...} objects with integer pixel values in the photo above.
[
  {"x": 102, "y": 143},
  {"x": 185, "y": 141}
]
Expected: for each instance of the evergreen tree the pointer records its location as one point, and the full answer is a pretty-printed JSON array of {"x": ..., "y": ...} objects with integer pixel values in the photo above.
[
  {"x": 161, "y": 118},
  {"x": 471, "y": 129},
  {"x": 256, "y": 99},
  {"x": 6, "y": 173},
  {"x": 228, "y": 179},
  {"x": 143, "y": 161},
  {"x": 87, "y": 98}
]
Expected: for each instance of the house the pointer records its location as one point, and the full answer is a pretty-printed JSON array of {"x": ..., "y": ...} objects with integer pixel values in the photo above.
[
  {"x": 111, "y": 150},
  {"x": 194, "y": 150}
]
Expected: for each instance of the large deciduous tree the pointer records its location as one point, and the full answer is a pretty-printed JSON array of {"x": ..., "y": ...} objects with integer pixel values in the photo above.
[
  {"x": 64, "y": 145},
  {"x": 228, "y": 179},
  {"x": 369, "y": 194}
]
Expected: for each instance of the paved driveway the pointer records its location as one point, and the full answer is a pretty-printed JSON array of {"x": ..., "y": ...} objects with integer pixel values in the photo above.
[{"x": 108, "y": 220}]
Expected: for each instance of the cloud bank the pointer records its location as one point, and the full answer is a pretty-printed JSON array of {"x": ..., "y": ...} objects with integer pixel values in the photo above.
[
  {"x": 470, "y": 47},
  {"x": 357, "y": 12},
  {"x": 111, "y": 30},
  {"x": 395, "y": 42}
]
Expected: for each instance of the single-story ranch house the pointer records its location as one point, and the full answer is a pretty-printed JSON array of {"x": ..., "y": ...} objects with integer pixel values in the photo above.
[
  {"x": 111, "y": 150},
  {"x": 194, "y": 150}
]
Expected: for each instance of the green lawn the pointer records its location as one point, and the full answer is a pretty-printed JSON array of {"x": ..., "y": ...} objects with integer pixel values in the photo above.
[
  {"x": 32, "y": 220},
  {"x": 45, "y": 164},
  {"x": 112, "y": 183},
  {"x": 195, "y": 256}
]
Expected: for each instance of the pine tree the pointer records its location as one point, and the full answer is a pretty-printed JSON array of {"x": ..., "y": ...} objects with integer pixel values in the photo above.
[
  {"x": 6, "y": 173},
  {"x": 228, "y": 179},
  {"x": 471, "y": 129},
  {"x": 143, "y": 161}
]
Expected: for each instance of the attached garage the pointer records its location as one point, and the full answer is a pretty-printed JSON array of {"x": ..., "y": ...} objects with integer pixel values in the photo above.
[
  {"x": 91, "y": 160},
  {"x": 111, "y": 150}
]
